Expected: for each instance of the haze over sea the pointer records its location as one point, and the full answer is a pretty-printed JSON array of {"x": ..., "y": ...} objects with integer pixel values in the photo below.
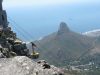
[{"x": 42, "y": 19}]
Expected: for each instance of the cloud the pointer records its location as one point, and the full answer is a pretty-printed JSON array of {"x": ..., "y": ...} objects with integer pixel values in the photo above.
[{"x": 23, "y": 3}]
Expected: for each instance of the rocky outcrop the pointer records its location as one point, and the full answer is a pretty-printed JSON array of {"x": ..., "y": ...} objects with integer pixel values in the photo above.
[
  {"x": 10, "y": 45},
  {"x": 22, "y": 65},
  {"x": 63, "y": 28}
]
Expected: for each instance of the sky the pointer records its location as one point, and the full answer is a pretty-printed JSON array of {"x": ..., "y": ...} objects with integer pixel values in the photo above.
[
  {"x": 23, "y": 3},
  {"x": 42, "y": 17}
]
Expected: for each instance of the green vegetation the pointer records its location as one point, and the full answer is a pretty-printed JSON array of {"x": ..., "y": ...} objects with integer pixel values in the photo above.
[{"x": 93, "y": 72}]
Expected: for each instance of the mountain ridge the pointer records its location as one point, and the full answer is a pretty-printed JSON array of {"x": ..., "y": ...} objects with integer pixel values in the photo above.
[
  {"x": 92, "y": 33},
  {"x": 63, "y": 46}
]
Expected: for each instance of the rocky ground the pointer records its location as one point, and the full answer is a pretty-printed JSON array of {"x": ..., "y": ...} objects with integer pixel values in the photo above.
[{"x": 21, "y": 65}]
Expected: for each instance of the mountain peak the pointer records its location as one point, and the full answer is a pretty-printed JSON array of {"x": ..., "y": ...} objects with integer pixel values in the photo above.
[{"x": 63, "y": 28}]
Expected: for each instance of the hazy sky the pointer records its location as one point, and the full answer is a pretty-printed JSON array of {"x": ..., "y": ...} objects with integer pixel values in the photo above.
[
  {"x": 42, "y": 17},
  {"x": 23, "y": 3}
]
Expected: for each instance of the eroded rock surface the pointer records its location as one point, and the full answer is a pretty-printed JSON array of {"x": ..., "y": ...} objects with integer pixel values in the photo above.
[{"x": 22, "y": 65}]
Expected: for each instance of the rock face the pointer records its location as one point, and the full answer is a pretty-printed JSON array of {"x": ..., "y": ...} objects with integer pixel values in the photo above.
[
  {"x": 10, "y": 45},
  {"x": 3, "y": 16},
  {"x": 63, "y": 28},
  {"x": 22, "y": 65}
]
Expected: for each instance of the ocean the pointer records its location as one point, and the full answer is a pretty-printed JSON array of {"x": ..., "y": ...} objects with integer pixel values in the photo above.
[{"x": 41, "y": 21}]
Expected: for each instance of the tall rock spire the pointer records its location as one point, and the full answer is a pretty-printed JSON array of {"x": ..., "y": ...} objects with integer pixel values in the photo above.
[
  {"x": 3, "y": 16},
  {"x": 1, "y": 5},
  {"x": 63, "y": 28}
]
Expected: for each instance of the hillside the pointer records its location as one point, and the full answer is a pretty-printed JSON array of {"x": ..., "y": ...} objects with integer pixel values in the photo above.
[
  {"x": 93, "y": 33},
  {"x": 63, "y": 46},
  {"x": 96, "y": 35}
]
